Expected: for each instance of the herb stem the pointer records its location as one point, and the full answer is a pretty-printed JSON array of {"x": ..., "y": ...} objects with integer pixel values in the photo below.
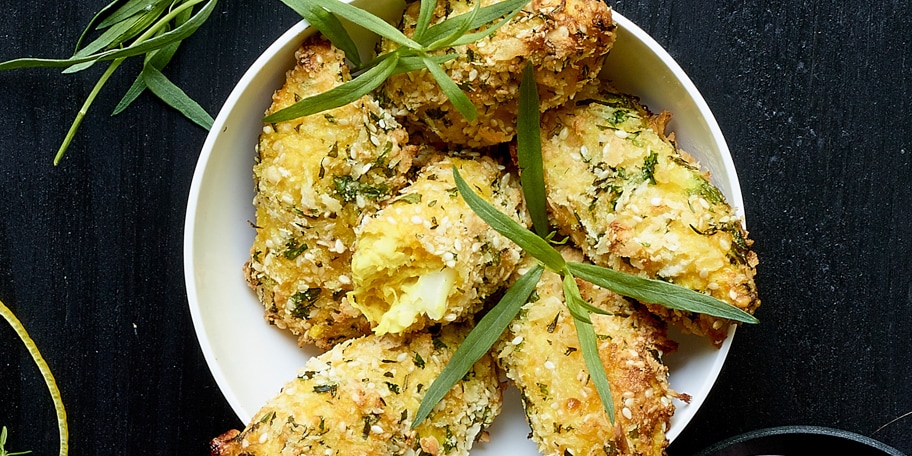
[
  {"x": 165, "y": 20},
  {"x": 149, "y": 33},
  {"x": 85, "y": 109}
]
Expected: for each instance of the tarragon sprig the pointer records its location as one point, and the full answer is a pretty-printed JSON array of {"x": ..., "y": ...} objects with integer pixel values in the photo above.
[
  {"x": 489, "y": 328},
  {"x": 3, "y": 451},
  {"x": 153, "y": 28},
  {"x": 413, "y": 53}
]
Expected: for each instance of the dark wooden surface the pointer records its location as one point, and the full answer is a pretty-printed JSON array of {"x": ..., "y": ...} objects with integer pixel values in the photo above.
[{"x": 813, "y": 99}]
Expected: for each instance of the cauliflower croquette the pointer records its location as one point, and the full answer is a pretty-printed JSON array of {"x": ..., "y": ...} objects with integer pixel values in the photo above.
[
  {"x": 426, "y": 257},
  {"x": 540, "y": 353},
  {"x": 633, "y": 202},
  {"x": 564, "y": 40},
  {"x": 315, "y": 178},
  {"x": 360, "y": 398}
]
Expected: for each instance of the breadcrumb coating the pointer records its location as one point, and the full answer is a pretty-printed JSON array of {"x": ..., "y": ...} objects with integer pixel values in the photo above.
[
  {"x": 541, "y": 354},
  {"x": 316, "y": 177},
  {"x": 564, "y": 40},
  {"x": 427, "y": 258},
  {"x": 633, "y": 202},
  {"x": 360, "y": 398}
]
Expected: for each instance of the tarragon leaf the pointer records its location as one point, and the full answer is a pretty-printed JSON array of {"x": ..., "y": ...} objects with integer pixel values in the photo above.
[
  {"x": 654, "y": 291},
  {"x": 409, "y": 63},
  {"x": 366, "y": 20},
  {"x": 130, "y": 8},
  {"x": 473, "y": 37},
  {"x": 173, "y": 96},
  {"x": 585, "y": 333},
  {"x": 158, "y": 59},
  {"x": 574, "y": 299},
  {"x": 529, "y": 152},
  {"x": 329, "y": 25},
  {"x": 425, "y": 14},
  {"x": 479, "y": 341},
  {"x": 121, "y": 31},
  {"x": 178, "y": 34},
  {"x": 464, "y": 25},
  {"x": 340, "y": 95},
  {"x": 459, "y": 99},
  {"x": 485, "y": 15},
  {"x": 88, "y": 28},
  {"x": 500, "y": 222}
]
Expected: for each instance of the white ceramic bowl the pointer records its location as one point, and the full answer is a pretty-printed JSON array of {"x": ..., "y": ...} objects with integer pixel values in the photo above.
[{"x": 251, "y": 360}]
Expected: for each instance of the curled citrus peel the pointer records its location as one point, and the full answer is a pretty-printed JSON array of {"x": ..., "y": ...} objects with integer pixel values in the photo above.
[{"x": 45, "y": 373}]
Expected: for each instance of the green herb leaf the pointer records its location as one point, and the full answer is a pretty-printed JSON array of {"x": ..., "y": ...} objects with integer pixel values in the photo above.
[
  {"x": 173, "y": 96},
  {"x": 528, "y": 241},
  {"x": 157, "y": 59},
  {"x": 529, "y": 152},
  {"x": 155, "y": 34},
  {"x": 137, "y": 48},
  {"x": 329, "y": 25},
  {"x": 465, "y": 24},
  {"x": 585, "y": 333},
  {"x": 479, "y": 341},
  {"x": 409, "y": 63},
  {"x": 473, "y": 37},
  {"x": 457, "y": 97},
  {"x": 425, "y": 14},
  {"x": 88, "y": 28},
  {"x": 574, "y": 299},
  {"x": 131, "y": 8},
  {"x": 654, "y": 291},
  {"x": 485, "y": 15},
  {"x": 340, "y": 95},
  {"x": 571, "y": 289},
  {"x": 366, "y": 20}
]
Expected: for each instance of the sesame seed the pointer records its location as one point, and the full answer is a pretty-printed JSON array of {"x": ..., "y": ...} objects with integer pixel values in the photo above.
[
  {"x": 549, "y": 365},
  {"x": 620, "y": 134},
  {"x": 376, "y": 429},
  {"x": 517, "y": 340},
  {"x": 627, "y": 413}
]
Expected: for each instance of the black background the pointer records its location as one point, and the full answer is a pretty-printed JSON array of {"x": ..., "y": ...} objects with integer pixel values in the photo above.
[{"x": 814, "y": 102}]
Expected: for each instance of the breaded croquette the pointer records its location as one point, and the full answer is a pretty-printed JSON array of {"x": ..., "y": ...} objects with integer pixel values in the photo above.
[
  {"x": 633, "y": 202},
  {"x": 360, "y": 398},
  {"x": 541, "y": 354},
  {"x": 426, "y": 257},
  {"x": 564, "y": 40},
  {"x": 315, "y": 178}
]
